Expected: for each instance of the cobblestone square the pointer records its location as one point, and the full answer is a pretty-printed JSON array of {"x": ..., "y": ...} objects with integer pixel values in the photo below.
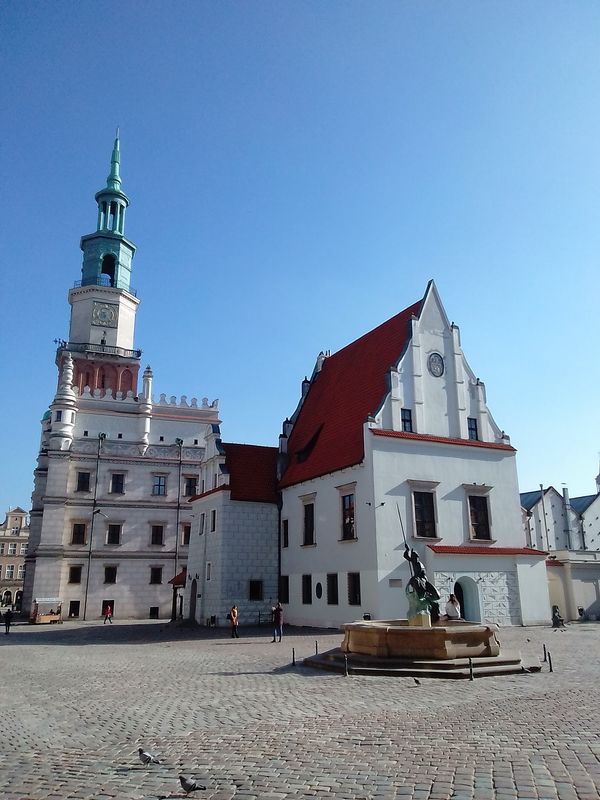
[{"x": 80, "y": 698}]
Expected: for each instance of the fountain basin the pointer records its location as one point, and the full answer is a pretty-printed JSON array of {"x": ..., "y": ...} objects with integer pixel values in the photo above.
[{"x": 395, "y": 638}]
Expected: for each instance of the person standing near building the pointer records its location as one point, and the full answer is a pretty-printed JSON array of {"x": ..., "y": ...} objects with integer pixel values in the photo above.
[
  {"x": 233, "y": 619},
  {"x": 452, "y": 608},
  {"x": 108, "y": 613},
  {"x": 8, "y": 615},
  {"x": 277, "y": 622}
]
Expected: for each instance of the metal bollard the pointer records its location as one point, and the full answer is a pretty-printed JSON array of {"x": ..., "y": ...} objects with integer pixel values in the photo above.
[
  {"x": 471, "y": 677},
  {"x": 545, "y": 654},
  {"x": 346, "y": 673},
  {"x": 293, "y": 656},
  {"x": 316, "y": 648},
  {"x": 551, "y": 668}
]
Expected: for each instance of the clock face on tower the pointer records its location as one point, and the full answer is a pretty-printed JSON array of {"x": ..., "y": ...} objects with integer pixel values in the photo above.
[
  {"x": 435, "y": 363},
  {"x": 105, "y": 314}
]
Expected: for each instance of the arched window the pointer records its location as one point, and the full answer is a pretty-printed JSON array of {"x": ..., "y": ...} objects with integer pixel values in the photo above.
[
  {"x": 126, "y": 381},
  {"x": 107, "y": 270}
]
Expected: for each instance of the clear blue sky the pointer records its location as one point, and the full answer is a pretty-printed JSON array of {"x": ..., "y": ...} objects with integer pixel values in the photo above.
[{"x": 298, "y": 171}]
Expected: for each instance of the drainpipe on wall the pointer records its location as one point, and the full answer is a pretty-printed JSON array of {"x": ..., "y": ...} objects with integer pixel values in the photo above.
[
  {"x": 544, "y": 516},
  {"x": 567, "y": 510}
]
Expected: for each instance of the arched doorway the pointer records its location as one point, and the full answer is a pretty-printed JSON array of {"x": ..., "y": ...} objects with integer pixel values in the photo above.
[
  {"x": 18, "y": 600},
  {"x": 467, "y": 594},
  {"x": 193, "y": 598},
  {"x": 7, "y": 598}
]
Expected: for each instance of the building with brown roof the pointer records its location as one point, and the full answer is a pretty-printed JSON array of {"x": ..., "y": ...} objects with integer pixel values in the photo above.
[{"x": 14, "y": 536}]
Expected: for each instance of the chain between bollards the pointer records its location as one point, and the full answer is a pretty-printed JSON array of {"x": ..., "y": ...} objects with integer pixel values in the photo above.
[
  {"x": 293, "y": 656},
  {"x": 471, "y": 677},
  {"x": 551, "y": 668},
  {"x": 545, "y": 654}
]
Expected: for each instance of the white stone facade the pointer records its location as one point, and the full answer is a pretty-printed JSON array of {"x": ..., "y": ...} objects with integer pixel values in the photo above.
[{"x": 127, "y": 508}]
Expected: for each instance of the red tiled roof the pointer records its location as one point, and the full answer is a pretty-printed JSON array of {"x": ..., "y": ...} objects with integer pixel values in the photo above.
[
  {"x": 252, "y": 472},
  {"x": 482, "y": 550},
  {"x": 223, "y": 488},
  {"x": 426, "y": 437},
  {"x": 179, "y": 579},
  {"x": 328, "y": 433}
]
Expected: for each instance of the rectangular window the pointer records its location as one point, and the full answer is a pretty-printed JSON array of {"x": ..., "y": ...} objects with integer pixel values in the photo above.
[
  {"x": 208, "y": 570},
  {"x": 202, "y": 523},
  {"x": 83, "y": 482},
  {"x": 154, "y": 612},
  {"x": 21, "y": 572},
  {"x": 285, "y": 533},
  {"x": 332, "y": 589},
  {"x": 59, "y": 416},
  {"x": 255, "y": 590},
  {"x": 406, "y": 416},
  {"x": 215, "y": 479},
  {"x": 186, "y": 535},
  {"x": 190, "y": 486},
  {"x": 213, "y": 520},
  {"x": 156, "y": 574},
  {"x": 480, "y": 520},
  {"x": 78, "y": 533},
  {"x": 157, "y": 534},
  {"x": 284, "y": 589},
  {"x": 354, "y": 588},
  {"x": 23, "y": 549},
  {"x": 309, "y": 524},
  {"x": 110, "y": 574},
  {"x": 307, "y": 589},
  {"x": 2, "y": 549},
  {"x": 0, "y": 570},
  {"x": 424, "y": 514},
  {"x": 159, "y": 485},
  {"x": 75, "y": 574},
  {"x": 10, "y": 572},
  {"x": 117, "y": 483},
  {"x": 12, "y": 548},
  {"x": 113, "y": 535},
  {"x": 472, "y": 426},
  {"x": 348, "y": 516}
]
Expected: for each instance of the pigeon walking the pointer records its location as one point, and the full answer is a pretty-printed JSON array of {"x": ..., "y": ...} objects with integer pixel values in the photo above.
[
  {"x": 189, "y": 785},
  {"x": 147, "y": 758},
  {"x": 417, "y": 681}
]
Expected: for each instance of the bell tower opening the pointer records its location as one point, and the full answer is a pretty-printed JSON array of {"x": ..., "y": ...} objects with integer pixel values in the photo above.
[{"x": 107, "y": 271}]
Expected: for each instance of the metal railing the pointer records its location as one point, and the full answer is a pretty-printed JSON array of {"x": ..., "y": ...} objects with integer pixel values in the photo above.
[
  {"x": 104, "y": 280},
  {"x": 81, "y": 347}
]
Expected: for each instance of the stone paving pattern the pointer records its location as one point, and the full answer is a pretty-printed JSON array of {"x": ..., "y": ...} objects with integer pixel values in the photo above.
[{"x": 80, "y": 698}]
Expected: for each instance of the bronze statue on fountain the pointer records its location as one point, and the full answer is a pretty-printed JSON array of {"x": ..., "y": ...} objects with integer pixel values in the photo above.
[{"x": 423, "y": 597}]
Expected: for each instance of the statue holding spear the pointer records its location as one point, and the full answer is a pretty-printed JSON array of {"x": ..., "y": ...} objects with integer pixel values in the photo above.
[{"x": 421, "y": 593}]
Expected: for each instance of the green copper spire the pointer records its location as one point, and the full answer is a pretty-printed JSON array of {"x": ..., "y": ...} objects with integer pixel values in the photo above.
[{"x": 114, "y": 179}]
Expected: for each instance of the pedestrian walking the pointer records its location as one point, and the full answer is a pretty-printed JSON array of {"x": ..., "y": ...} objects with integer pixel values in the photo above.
[
  {"x": 108, "y": 613},
  {"x": 233, "y": 619},
  {"x": 277, "y": 621},
  {"x": 8, "y": 615}
]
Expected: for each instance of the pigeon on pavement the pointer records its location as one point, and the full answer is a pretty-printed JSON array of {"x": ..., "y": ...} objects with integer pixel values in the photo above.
[
  {"x": 417, "y": 681},
  {"x": 147, "y": 758},
  {"x": 189, "y": 785}
]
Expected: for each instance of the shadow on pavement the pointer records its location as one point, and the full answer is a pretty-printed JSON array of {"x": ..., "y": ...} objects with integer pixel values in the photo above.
[{"x": 143, "y": 632}]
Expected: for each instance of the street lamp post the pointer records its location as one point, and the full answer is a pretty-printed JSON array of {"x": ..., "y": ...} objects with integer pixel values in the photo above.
[
  {"x": 179, "y": 443},
  {"x": 101, "y": 438}
]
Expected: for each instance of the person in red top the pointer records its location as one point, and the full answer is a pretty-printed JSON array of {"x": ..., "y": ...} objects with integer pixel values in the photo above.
[{"x": 108, "y": 613}]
